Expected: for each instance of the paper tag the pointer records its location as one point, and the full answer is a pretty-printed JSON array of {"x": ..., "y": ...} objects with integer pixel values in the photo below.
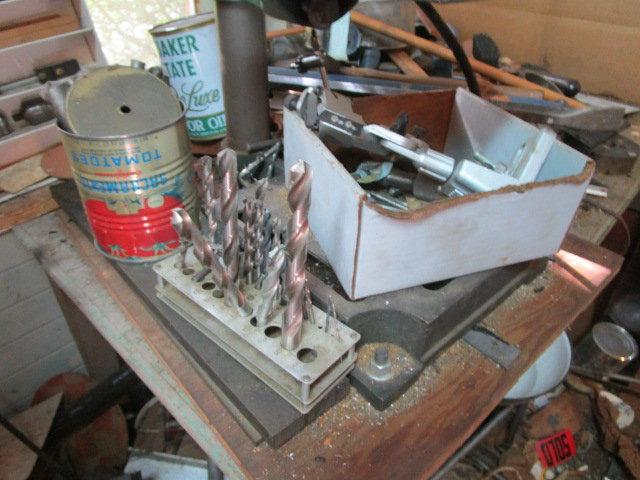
[{"x": 556, "y": 449}]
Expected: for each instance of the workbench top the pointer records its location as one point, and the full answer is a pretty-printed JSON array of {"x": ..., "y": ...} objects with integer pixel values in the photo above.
[{"x": 352, "y": 440}]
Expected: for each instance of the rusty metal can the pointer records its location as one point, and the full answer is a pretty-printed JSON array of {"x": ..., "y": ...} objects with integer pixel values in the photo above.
[
  {"x": 129, "y": 184},
  {"x": 190, "y": 56}
]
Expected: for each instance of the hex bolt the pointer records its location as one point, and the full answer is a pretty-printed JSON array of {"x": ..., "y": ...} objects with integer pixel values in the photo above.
[
  {"x": 381, "y": 356},
  {"x": 379, "y": 368}
]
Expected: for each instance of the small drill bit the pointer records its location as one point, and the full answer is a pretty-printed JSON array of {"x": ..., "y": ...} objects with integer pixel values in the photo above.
[
  {"x": 227, "y": 163},
  {"x": 297, "y": 237},
  {"x": 308, "y": 305},
  {"x": 271, "y": 285},
  {"x": 261, "y": 189},
  {"x": 331, "y": 315},
  {"x": 182, "y": 223},
  {"x": 249, "y": 232}
]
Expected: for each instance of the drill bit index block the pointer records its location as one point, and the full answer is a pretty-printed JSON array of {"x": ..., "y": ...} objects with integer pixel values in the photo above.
[{"x": 302, "y": 376}]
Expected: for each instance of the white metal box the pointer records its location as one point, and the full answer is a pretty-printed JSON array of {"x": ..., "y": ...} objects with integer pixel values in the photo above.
[{"x": 375, "y": 250}]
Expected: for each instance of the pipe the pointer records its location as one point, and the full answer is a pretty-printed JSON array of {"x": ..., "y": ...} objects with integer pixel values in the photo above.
[{"x": 243, "y": 48}]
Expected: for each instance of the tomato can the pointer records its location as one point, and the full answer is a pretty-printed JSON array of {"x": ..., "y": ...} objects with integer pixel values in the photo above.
[
  {"x": 129, "y": 184},
  {"x": 190, "y": 56}
]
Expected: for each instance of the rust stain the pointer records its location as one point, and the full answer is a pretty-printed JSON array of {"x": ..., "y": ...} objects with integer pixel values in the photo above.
[{"x": 352, "y": 293}]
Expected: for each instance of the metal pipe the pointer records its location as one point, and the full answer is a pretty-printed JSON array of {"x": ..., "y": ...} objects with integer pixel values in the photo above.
[{"x": 243, "y": 48}]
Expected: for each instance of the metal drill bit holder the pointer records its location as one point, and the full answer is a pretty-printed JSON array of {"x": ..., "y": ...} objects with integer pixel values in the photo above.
[
  {"x": 227, "y": 295},
  {"x": 301, "y": 376}
]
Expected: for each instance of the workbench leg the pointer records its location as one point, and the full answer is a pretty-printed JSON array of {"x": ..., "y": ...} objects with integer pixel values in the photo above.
[{"x": 214, "y": 472}]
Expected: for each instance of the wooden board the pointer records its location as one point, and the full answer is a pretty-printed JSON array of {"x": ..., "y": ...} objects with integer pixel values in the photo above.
[
  {"x": 56, "y": 163},
  {"x": 406, "y": 64},
  {"x": 40, "y": 26},
  {"x": 16, "y": 460},
  {"x": 24, "y": 208},
  {"x": 22, "y": 174}
]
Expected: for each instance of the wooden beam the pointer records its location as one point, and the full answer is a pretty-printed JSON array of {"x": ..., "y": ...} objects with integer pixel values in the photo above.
[
  {"x": 26, "y": 207},
  {"x": 406, "y": 64}
]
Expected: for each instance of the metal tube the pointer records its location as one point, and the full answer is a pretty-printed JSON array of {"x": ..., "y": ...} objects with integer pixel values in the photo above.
[{"x": 243, "y": 50}]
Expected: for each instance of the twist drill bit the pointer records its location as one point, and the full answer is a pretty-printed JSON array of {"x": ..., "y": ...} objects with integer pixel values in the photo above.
[
  {"x": 185, "y": 228},
  {"x": 271, "y": 286},
  {"x": 227, "y": 163},
  {"x": 209, "y": 200},
  {"x": 182, "y": 223},
  {"x": 297, "y": 237},
  {"x": 258, "y": 240},
  {"x": 308, "y": 306},
  {"x": 261, "y": 189},
  {"x": 249, "y": 231}
]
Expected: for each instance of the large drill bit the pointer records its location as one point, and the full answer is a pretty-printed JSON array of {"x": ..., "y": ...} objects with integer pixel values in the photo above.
[
  {"x": 270, "y": 287},
  {"x": 227, "y": 163},
  {"x": 297, "y": 237},
  {"x": 182, "y": 223}
]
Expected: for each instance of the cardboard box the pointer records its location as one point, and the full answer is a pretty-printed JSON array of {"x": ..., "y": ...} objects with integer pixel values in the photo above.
[
  {"x": 374, "y": 250},
  {"x": 593, "y": 41}
]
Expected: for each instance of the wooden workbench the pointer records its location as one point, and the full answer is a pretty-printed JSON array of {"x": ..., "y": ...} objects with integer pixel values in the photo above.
[
  {"x": 409, "y": 440},
  {"x": 412, "y": 438}
]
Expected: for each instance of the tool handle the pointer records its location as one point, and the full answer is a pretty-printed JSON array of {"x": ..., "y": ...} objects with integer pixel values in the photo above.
[{"x": 431, "y": 47}]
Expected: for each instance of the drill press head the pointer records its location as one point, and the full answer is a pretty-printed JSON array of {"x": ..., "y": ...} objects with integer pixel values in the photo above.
[{"x": 313, "y": 13}]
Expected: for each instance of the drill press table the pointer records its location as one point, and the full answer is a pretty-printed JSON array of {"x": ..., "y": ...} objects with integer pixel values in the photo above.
[{"x": 411, "y": 439}]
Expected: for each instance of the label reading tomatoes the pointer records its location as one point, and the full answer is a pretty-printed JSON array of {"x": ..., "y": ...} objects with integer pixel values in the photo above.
[{"x": 556, "y": 449}]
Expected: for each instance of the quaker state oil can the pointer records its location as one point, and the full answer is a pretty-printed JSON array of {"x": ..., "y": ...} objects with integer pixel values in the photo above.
[{"x": 190, "y": 57}]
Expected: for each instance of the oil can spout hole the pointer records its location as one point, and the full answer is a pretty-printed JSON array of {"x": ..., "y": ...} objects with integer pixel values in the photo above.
[{"x": 125, "y": 109}]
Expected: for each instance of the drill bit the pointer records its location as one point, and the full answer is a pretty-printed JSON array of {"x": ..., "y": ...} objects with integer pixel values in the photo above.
[
  {"x": 227, "y": 163},
  {"x": 331, "y": 315},
  {"x": 297, "y": 237},
  {"x": 185, "y": 228},
  {"x": 182, "y": 223},
  {"x": 261, "y": 189},
  {"x": 247, "y": 244},
  {"x": 271, "y": 285},
  {"x": 308, "y": 306},
  {"x": 210, "y": 200},
  {"x": 258, "y": 240}
]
